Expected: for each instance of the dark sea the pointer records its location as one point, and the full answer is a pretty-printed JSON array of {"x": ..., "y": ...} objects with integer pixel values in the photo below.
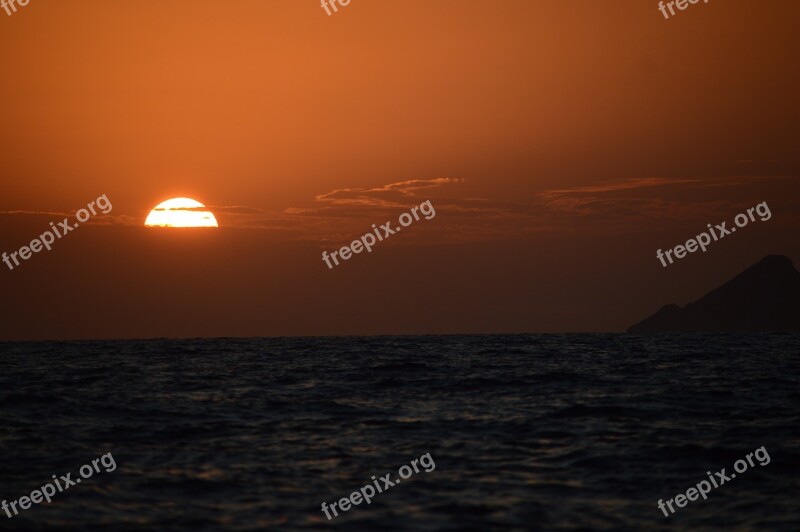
[{"x": 527, "y": 432}]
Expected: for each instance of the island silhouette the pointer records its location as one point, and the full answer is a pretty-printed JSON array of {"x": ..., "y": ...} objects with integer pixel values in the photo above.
[{"x": 764, "y": 297}]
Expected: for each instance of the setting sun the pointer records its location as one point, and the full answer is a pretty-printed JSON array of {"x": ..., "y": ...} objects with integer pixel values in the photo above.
[{"x": 180, "y": 212}]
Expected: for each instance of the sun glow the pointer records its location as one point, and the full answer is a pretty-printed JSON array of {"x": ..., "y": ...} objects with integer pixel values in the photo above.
[{"x": 180, "y": 212}]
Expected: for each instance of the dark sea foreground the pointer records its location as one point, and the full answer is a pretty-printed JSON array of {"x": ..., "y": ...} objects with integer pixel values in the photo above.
[{"x": 527, "y": 432}]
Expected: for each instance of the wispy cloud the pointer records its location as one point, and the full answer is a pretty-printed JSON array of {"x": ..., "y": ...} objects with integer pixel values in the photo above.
[
  {"x": 627, "y": 184},
  {"x": 51, "y": 216},
  {"x": 629, "y": 202},
  {"x": 620, "y": 206},
  {"x": 391, "y": 195}
]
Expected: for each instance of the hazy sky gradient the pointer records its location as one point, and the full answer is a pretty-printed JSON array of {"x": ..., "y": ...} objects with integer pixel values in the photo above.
[{"x": 561, "y": 144}]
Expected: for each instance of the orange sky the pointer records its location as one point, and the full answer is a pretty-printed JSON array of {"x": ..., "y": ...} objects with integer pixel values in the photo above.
[{"x": 561, "y": 143}]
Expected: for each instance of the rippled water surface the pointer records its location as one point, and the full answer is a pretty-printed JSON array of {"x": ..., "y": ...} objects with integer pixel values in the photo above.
[{"x": 529, "y": 432}]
